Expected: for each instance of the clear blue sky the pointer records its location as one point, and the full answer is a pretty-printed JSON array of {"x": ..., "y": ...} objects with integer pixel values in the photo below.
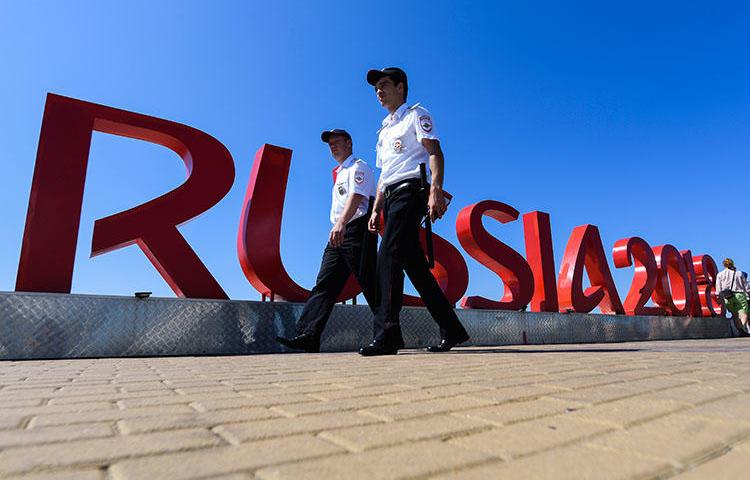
[{"x": 634, "y": 116}]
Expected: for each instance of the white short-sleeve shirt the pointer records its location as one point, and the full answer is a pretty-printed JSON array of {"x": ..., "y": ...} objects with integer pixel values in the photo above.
[
  {"x": 352, "y": 176},
  {"x": 736, "y": 280},
  {"x": 399, "y": 149}
]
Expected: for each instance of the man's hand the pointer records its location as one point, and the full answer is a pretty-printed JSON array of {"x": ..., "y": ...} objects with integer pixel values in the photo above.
[
  {"x": 436, "y": 204},
  {"x": 373, "y": 224},
  {"x": 336, "y": 237}
]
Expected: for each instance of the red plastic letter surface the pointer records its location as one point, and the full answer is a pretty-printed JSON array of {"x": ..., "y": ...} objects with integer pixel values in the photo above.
[
  {"x": 508, "y": 264},
  {"x": 259, "y": 236},
  {"x": 585, "y": 250},
  {"x": 692, "y": 300},
  {"x": 625, "y": 253},
  {"x": 705, "y": 276},
  {"x": 450, "y": 271},
  {"x": 673, "y": 286},
  {"x": 52, "y": 222},
  {"x": 539, "y": 255}
]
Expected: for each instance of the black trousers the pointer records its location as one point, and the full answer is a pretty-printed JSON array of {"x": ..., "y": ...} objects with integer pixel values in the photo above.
[
  {"x": 336, "y": 266},
  {"x": 401, "y": 251}
]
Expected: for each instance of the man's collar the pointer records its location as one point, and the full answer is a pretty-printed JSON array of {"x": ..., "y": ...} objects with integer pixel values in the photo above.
[
  {"x": 395, "y": 116},
  {"x": 348, "y": 162}
]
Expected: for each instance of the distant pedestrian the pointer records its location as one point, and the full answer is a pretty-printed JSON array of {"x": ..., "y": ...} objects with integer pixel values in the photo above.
[{"x": 733, "y": 289}]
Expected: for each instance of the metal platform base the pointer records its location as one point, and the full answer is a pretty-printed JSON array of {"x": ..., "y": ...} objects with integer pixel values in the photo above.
[{"x": 35, "y": 326}]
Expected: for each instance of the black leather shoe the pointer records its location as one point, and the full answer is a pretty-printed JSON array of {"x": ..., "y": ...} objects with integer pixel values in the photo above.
[
  {"x": 376, "y": 349},
  {"x": 446, "y": 344},
  {"x": 308, "y": 343}
]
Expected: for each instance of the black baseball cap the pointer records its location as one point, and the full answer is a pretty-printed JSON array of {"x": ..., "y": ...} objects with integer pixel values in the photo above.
[
  {"x": 395, "y": 74},
  {"x": 326, "y": 135}
]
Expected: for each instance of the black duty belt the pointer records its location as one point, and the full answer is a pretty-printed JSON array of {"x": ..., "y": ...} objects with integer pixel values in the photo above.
[{"x": 409, "y": 182}]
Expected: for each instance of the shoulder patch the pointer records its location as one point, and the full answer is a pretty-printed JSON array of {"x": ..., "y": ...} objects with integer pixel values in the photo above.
[{"x": 425, "y": 122}]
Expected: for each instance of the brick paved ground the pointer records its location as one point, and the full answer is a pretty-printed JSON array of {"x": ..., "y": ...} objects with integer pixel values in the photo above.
[{"x": 633, "y": 410}]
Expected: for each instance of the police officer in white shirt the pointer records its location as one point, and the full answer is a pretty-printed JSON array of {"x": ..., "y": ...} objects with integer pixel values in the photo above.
[
  {"x": 406, "y": 139},
  {"x": 351, "y": 247}
]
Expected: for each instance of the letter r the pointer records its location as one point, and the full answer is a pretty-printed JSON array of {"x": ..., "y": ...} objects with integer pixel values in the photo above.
[{"x": 53, "y": 218}]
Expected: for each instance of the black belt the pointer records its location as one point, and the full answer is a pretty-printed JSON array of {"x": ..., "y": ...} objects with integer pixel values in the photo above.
[{"x": 409, "y": 182}]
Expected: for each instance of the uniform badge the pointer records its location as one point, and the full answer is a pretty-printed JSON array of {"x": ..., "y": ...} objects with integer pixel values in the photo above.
[
  {"x": 359, "y": 178},
  {"x": 341, "y": 189},
  {"x": 398, "y": 146},
  {"x": 426, "y": 123}
]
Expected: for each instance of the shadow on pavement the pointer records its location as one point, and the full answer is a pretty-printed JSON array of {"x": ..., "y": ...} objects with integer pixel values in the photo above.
[{"x": 474, "y": 350}]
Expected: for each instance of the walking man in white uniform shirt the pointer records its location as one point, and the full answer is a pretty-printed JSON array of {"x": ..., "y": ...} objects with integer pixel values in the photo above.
[
  {"x": 406, "y": 139},
  {"x": 351, "y": 247},
  {"x": 733, "y": 289}
]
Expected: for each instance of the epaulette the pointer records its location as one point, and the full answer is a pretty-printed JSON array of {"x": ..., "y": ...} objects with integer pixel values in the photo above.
[{"x": 415, "y": 106}]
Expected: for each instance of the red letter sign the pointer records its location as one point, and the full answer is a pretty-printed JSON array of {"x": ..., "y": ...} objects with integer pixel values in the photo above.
[
  {"x": 645, "y": 277},
  {"x": 693, "y": 302},
  {"x": 585, "y": 250},
  {"x": 673, "y": 286},
  {"x": 495, "y": 255},
  {"x": 538, "y": 237},
  {"x": 49, "y": 241},
  {"x": 705, "y": 275},
  {"x": 259, "y": 247},
  {"x": 259, "y": 237},
  {"x": 450, "y": 271}
]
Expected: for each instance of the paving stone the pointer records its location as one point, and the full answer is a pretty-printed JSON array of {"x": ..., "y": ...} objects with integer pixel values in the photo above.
[
  {"x": 402, "y": 461},
  {"x": 657, "y": 383},
  {"x": 519, "y": 411},
  {"x": 598, "y": 394},
  {"x": 13, "y": 420},
  {"x": 156, "y": 401},
  {"x": 576, "y": 462},
  {"x": 31, "y": 393},
  {"x": 33, "y": 436},
  {"x": 429, "y": 407},
  {"x": 394, "y": 391},
  {"x": 72, "y": 474},
  {"x": 223, "y": 460},
  {"x": 628, "y": 411},
  {"x": 365, "y": 437},
  {"x": 107, "y": 415},
  {"x": 515, "y": 393},
  {"x": 194, "y": 419},
  {"x": 256, "y": 401},
  {"x": 108, "y": 397},
  {"x": 24, "y": 402},
  {"x": 65, "y": 408},
  {"x": 735, "y": 408},
  {"x": 511, "y": 381},
  {"x": 529, "y": 437},
  {"x": 582, "y": 382},
  {"x": 275, "y": 427},
  {"x": 77, "y": 390},
  {"x": 693, "y": 394},
  {"x": 316, "y": 388},
  {"x": 101, "y": 451},
  {"x": 677, "y": 438},
  {"x": 144, "y": 386},
  {"x": 344, "y": 404},
  {"x": 730, "y": 466}
]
